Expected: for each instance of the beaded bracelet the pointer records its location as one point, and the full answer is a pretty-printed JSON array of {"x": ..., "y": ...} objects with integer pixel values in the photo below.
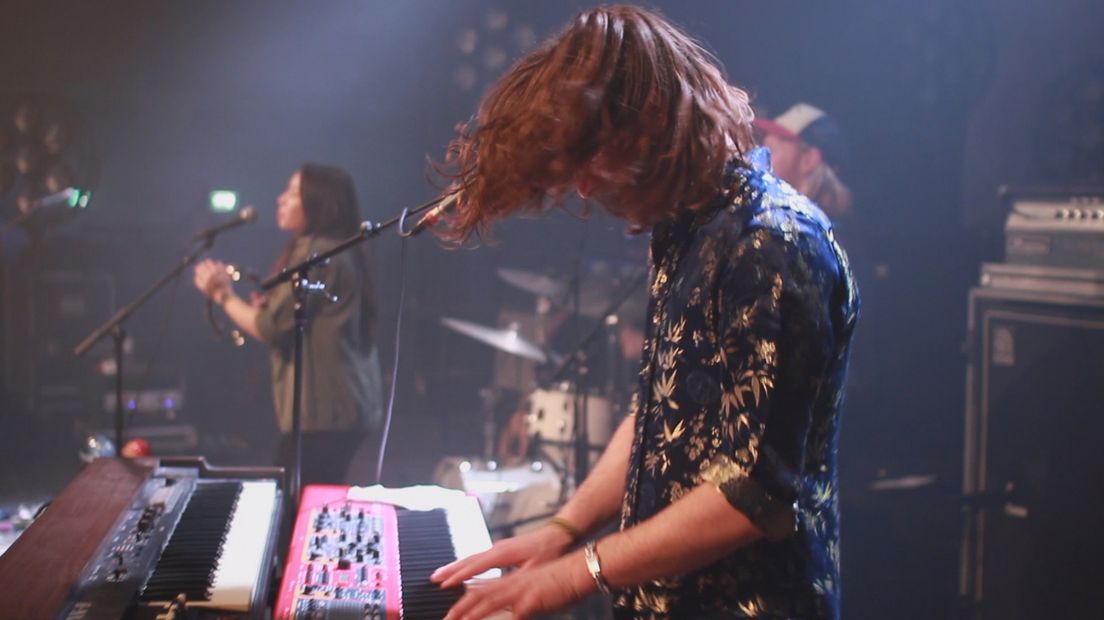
[{"x": 566, "y": 526}]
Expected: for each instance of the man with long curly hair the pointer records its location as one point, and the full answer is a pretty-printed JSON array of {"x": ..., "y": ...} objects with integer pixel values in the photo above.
[{"x": 724, "y": 473}]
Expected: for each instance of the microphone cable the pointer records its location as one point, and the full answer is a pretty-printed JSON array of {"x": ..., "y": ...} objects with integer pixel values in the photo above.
[{"x": 395, "y": 361}]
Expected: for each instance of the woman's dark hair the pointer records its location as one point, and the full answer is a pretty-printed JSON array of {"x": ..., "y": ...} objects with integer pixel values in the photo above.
[
  {"x": 329, "y": 201},
  {"x": 620, "y": 80},
  {"x": 329, "y": 206}
]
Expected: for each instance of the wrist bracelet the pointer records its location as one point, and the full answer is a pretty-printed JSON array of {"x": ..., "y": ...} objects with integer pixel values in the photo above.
[
  {"x": 594, "y": 567},
  {"x": 566, "y": 526},
  {"x": 221, "y": 297}
]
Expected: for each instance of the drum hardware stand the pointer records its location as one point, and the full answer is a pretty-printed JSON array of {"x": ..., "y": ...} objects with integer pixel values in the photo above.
[
  {"x": 489, "y": 397},
  {"x": 578, "y": 358},
  {"x": 580, "y": 442}
]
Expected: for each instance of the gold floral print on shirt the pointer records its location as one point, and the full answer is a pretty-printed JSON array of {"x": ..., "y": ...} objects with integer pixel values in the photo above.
[{"x": 743, "y": 369}]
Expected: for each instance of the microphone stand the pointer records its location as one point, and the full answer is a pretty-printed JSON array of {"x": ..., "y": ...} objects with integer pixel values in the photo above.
[
  {"x": 114, "y": 326},
  {"x": 302, "y": 288}
]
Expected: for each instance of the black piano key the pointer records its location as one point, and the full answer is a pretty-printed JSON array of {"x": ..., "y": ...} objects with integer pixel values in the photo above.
[
  {"x": 424, "y": 545},
  {"x": 187, "y": 564}
]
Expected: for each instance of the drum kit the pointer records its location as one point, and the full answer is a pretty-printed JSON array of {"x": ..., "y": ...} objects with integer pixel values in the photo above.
[{"x": 563, "y": 393}]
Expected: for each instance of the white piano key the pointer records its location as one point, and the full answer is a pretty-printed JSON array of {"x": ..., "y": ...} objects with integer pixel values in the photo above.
[
  {"x": 468, "y": 531},
  {"x": 239, "y": 566}
]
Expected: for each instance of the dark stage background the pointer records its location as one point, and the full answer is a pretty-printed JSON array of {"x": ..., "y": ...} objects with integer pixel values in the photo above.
[{"x": 942, "y": 101}]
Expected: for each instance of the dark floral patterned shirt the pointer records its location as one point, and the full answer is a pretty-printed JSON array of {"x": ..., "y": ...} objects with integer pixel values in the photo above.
[{"x": 750, "y": 318}]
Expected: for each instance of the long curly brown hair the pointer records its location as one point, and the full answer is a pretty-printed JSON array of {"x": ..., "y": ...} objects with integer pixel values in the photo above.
[{"x": 620, "y": 81}]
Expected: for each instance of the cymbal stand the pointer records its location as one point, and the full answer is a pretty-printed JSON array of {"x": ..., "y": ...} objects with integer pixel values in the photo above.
[
  {"x": 489, "y": 397},
  {"x": 577, "y": 358}
]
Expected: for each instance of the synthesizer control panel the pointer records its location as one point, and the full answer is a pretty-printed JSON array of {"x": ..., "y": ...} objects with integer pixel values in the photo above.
[
  {"x": 341, "y": 561},
  {"x": 123, "y": 563}
]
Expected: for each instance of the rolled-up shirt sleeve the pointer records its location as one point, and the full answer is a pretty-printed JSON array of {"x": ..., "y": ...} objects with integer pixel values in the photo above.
[{"x": 749, "y": 469}]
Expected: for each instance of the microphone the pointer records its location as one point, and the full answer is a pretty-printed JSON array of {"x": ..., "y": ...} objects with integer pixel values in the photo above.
[
  {"x": 435, "y": 214},
  {"x": 246, "y": 216}
]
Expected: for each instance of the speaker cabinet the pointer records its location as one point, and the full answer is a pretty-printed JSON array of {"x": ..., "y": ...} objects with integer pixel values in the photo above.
[{"x": 1033, "y": 478}]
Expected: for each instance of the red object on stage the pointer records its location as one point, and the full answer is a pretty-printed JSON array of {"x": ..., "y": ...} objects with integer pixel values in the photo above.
[{"x": 135, "y": 448}]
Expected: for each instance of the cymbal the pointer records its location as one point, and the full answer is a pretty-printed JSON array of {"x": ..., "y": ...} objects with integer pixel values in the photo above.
[
  {"x": 596, "y": 291},
  {"x": 534, "y": 283},
  {"x": 507, "y": 340}
]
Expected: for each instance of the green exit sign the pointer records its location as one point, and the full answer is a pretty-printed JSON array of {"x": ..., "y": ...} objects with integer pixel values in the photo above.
[{"x": 223, "y": 201}]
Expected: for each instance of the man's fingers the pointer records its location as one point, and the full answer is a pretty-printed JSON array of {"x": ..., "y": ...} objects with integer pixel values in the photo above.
[
  {"x": 478, "y": 603},
  {"x": 452, "y": 575},
  {"x": 464, "y": 605},
  {"x": 447, "y": 570},
  {"x": 471, "y": 567}
]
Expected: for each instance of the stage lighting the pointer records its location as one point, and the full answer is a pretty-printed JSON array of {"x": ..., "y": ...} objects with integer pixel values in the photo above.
[
  {"x": 467, "y": 41},
  {"x": 44, "y": 157},
  {"x": 465, "y": 77},
  {"x": 494, "y": 58},
  {"x": 492, "y": 42},
  {"x": 28, "y": 159},
  {"x": 496, "y": 20},
  {"x": 25, "y": 202},
  {"x": 58, "y": 177},
  {"x": 524, "y": 37},
  {"x": 26, "y": 117},
  {"x": 56, "y": 137}
]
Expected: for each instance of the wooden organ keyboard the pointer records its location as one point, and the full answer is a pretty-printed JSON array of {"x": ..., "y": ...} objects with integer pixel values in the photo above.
[
  {"x": 354, "y": 557},
  {"x": 138, "y": 539}
]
